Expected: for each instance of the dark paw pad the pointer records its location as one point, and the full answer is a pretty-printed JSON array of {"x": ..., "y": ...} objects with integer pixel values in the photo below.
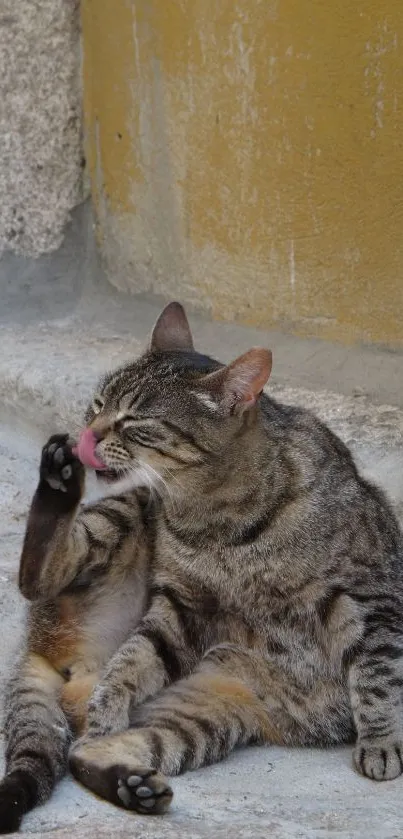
[
  {"x": 144, "y": 791},
  {"x": 133, "y": 787},
  {"x": 379, "y": 761},
  {"x": 60, "y": 468},
  {"x": 16, "y": 797}
]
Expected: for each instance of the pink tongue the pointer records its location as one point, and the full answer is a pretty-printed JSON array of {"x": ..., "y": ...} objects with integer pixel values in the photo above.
[{"x": 85, "y": 450}]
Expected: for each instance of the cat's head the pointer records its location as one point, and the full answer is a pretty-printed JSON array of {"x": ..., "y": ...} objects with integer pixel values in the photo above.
[{"x": 170, "y": 411}]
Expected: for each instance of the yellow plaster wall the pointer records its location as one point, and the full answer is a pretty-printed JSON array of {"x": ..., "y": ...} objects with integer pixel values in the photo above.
[{"x": 246, "y": 156}]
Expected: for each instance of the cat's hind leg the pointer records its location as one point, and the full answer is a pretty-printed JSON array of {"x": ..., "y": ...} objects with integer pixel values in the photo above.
[
  {"x": 197, "y": 721},
  {"x": 37, "y": 740}
]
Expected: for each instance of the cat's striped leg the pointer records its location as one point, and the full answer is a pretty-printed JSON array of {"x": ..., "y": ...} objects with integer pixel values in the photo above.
[
  {"x": 197, "y": 721},
  {"x": 160, "y": 651},
  {"x": 49, "y": 556},
  {"x": 376, "y": 689},
  {"x": 62, "y": 542},
  {"x": 37, "y": 739}
]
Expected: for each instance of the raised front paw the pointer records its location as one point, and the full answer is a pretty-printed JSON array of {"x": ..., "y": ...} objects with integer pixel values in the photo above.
[
  {"x": 60, "y": 468},
  {"x": 108, "y": 710},
  {"x": 379, "y": 760}
]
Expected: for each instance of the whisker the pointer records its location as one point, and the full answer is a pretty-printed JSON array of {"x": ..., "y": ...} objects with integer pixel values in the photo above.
[
  {"x": 156, "y": 478},
  {"x": 174, "y": 478}
]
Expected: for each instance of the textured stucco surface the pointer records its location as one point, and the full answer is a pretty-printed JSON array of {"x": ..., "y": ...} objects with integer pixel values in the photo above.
[
  {"x": 246, "y": 155},
  {"x": 40, "y": 122}
]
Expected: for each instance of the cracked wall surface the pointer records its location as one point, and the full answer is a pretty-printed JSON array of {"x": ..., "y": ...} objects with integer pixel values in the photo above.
[{"x": 40, "y": 122}]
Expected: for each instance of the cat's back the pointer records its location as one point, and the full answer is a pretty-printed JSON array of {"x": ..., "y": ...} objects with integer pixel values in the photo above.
[
  {"x": 305, "y": 438},
  {"x": 337, "y": 499}
]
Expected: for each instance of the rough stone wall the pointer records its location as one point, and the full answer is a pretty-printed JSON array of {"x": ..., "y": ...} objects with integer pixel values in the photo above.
[{"x": 40, "y": 122}]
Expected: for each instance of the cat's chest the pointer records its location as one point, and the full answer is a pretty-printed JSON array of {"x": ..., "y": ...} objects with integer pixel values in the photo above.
[{"x": 242, "y": 578}]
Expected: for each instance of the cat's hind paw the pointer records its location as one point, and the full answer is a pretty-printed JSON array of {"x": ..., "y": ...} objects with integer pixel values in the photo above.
[
  {"x": 131, "y": 786},
  {"x": 146, "y": 792}
]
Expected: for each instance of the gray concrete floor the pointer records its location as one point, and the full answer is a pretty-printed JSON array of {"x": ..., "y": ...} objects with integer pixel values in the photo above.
[{"x": 60, "y": 327}]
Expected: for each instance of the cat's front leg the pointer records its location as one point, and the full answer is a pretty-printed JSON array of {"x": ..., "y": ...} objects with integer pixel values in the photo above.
[
  {"x": 376, "y": 684},
  {"x": 158, "y": 653},
  {"x": 49, "y": 558}
]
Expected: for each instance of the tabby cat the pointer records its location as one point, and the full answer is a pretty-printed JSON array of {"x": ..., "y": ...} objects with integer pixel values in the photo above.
[{"x": 275, "y": 586}]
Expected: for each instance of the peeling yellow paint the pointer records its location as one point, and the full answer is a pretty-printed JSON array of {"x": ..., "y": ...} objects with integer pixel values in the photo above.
[{"x": 246, "y": 157}]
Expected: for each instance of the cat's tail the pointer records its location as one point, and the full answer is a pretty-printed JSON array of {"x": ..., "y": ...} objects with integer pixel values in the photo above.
[{"x": 37, "y": 739}]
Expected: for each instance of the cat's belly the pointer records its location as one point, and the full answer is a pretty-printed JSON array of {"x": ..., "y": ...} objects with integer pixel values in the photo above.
[
  {"x": 283, "y": 626},
  {"x": 111, "y": 619},
  {"x": 78, "y": 633}
]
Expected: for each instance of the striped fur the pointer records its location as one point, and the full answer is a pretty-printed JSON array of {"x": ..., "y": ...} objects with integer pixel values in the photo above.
[
  {"x": 84, "y": 569},
  {"x": 275, "y": 584},
  {"x": 276, "y": 599}
]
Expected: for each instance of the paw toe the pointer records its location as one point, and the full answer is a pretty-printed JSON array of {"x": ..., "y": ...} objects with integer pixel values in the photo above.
[
  {"x": 59, "y": 467},
  {"x": 144, "y": 791},
  {"x": 58, "y": 456}
]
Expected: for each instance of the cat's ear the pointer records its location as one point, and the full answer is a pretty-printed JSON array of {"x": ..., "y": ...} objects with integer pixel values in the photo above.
[
  {"x": 172, "y": 330},
  {"x": 237, "y": 387}
]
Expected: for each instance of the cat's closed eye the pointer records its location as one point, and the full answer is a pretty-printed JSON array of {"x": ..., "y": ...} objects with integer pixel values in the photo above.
[
  {"x": 144, "y": 435},
  {"x": 127, "y": 422},
  {"x": 97, "y": 404}
]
